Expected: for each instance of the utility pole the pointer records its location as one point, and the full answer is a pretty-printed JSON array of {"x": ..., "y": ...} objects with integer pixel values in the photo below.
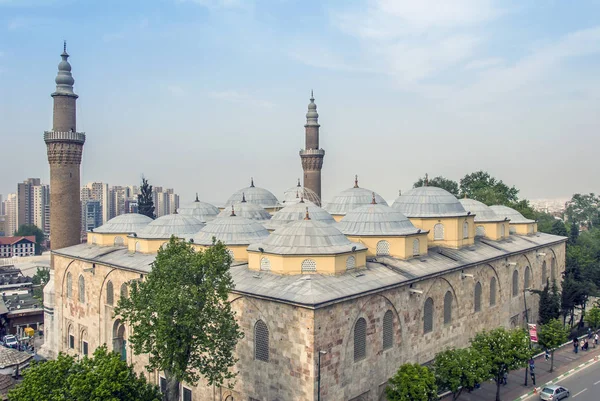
[{"x": 527, "y": 327}]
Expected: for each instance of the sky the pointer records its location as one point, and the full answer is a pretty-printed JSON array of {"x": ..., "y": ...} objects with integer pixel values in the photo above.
[{"x": 201, "y": 95}]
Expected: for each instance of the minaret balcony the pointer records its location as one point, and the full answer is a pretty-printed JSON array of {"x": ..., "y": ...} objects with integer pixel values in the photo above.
[
  {"x": 312, "y": 152},
  {"x": 54, "y": 136}
]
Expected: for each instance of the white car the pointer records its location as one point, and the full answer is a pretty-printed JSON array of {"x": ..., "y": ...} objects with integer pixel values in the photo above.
[
  {"x": 11, "y": 341},
  {"x": 552, "y": 393}
]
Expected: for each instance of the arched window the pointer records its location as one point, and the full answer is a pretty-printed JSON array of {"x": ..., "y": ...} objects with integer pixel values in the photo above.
[
  {"x": 388, "y": 330},
  {"x": 527, "y": 277},
  {"x": 109, "y": 293},
  {"x": 477, "y": 300},
  {"x": 438, "y": 232},
  {"x": 309, "y": 265},
  {"x": 493, "y": 291},
  {"x": 544, "y": 273},
  {"x": 138, "y": 247},
  {"x": 480, "y": 231},
  {"x": 360, "y": 339},
  {"x": 416, "y": 247},
  {"x": 428, "y": 316},
  {"x": 448, "y": 307},
  {"x": 515, "y": 283},
  {"x": 81, "y": 289},
  {"x": 553, "y": 269},
  {"x": 512, "y": 230},
  {"x": 265, "y": 264},
  {"x": 502, "y": 231},
  {"x": 261, "y": 341},
  {"x": 71, "y": 337},
  {"x": 119, "y": 241},
  {"x": 350, "y": 263},
  {"x": 69, "y": 285},
  {"x": 119, "y": 342},
  {"x": 465, "y": 230},
  {"x": 383, "y": 248},
  {"x": 83, "y": 343},
  {"x": 124, "y": 292}
]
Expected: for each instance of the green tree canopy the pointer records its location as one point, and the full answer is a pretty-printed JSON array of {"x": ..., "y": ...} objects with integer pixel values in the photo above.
[
  {"x": 39, "y": 280},
  {"x": 181, "y": 317},
  {"x": 559, "y": 228},
  {"x": 504, "y": 350},
  {"x": 592, "y": 318},
  {"x": 549, "y": 305},
  {"x": 583, "y": 209},
  {"x": 104, "y": 377},
  {"x": 481, "y": 186},
  {"x": 459, "y": 369},
  {"x": 551, "y": 336},
  {"x": 440, "y": 182},
  {"x": 412, "y": 382},
  {"x": 31, "y": 229},
  {"x": 145, "y": 200}
]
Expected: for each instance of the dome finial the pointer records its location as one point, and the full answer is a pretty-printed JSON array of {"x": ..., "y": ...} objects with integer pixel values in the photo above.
[
  {"x": 399, "y": 192},
  {"x": 373, "y": 201},
  {"x": 64, "y": 79},
  {"x": 307, "y": 217},
  {"x": 426, "y": 182},
  {"x": 175, "y": 212},
  {"x": 302, "y": 199},
  {"x": 356, "y": 181},
  {"x": 232, "y": 211},
  {"x": 197, "y": 200},
  {"x": 298, "y": 183},
  {"x": 251, "y": 182},
  {"x": 297, "y": 194},
  {"x": 64, "y": 46},
  {"x": 243, "y": 197},
  {"x": 312, "y": 97}
]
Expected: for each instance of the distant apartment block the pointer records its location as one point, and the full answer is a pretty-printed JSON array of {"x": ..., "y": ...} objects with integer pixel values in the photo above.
[
  {"x": 17, "y": 246},
  {"x": 32, "y": 205}
]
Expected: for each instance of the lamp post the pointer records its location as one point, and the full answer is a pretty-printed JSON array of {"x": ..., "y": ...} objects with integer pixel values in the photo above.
[
  {"x": 527, "y": 328},
  {"x": 319, "y": 375}
]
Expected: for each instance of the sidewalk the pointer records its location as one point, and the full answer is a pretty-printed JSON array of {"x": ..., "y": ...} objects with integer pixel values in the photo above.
[{"x": 564, "y": 360}]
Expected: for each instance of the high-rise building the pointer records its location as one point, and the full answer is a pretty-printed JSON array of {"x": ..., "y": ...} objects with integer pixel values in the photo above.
[
  {"x": 32, "y": 200},
  {"x": 10, "y": 207},
  {"x": 92, "y": 217},
  {"x": 2, "y": 212},
  {"x": 166, "y": 201},
  {"x": 312, "y": 156}
]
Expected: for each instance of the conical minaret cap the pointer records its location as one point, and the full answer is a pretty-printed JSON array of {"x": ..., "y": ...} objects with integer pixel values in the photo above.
[
  {"x": 64, "y": 79},
  {"x": 312, "y": 117}
]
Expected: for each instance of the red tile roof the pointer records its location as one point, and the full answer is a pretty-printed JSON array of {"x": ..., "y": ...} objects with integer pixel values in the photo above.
[{"x": 14, "y": 240}]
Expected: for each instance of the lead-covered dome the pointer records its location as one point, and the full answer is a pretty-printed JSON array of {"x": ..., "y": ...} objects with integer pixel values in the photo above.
[
  {"x": 297, "y": 211},
  {"x": 376, "y": 220},
  {"x": 247, "y": 210},
  {"x": 483, "y": 213},
  {"x": 352, "y": 198},
  {"x": 510, "y": 213},
  {"x": 256, "y": 195},
  {"x": 307, "y": 237},
  {"x": 231, "y": 230},
  {"x": 429, "y": 202},
  {"x": 295, "y": 194},
  {"x": 201, "y": 210},
  {"x": 127, "y": 223},
  {"x": 171, "y": 224}
]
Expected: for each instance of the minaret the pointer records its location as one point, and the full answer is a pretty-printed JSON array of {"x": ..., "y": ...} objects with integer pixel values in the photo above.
[
  {"x": 312, "y": 155},
  {"x": 65, "y": 146}
]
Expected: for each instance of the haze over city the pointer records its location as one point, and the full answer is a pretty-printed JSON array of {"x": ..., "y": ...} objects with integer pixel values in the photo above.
[{"x": 201, "y": 95}]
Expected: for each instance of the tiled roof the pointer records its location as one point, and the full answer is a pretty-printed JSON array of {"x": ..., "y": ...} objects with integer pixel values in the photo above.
[
  {"x": 14, "y": 240},
  {"x": 12, "y": 357}
]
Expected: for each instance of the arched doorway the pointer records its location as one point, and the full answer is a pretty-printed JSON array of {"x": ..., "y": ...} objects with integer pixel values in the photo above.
[{"x": 119, "y": 339}]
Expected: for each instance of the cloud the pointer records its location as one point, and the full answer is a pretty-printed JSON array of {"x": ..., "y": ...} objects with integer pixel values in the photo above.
[
  {"x": 175, "y": 90},
  {"x": 241, "y": 98}
]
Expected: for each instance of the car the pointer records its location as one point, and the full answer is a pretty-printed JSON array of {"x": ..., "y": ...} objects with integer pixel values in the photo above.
[
  {"x": 10, "y": 341},
  {"x": 552, "y": 393}
]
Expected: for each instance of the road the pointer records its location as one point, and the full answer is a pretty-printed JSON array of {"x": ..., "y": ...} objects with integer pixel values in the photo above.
[{"x": 583, "y": 385}]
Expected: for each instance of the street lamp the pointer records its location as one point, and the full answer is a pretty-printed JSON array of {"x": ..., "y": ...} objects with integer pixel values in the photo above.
[
  {"x": 319, "y": 375},
  {"x": 525, "y": 290}
]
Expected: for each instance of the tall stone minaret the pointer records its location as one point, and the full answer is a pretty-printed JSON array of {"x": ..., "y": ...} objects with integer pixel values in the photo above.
[
  {"x": 65, "y": 146},
  {"x": 312, "y": 155}
]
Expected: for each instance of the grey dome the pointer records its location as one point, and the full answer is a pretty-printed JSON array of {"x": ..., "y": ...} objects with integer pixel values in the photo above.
[
  {"x": 307, "y": 237},
  {"x": 483, "y": 213},
  {"x": 295, "y": 194},
  {"x": 429, "y": 202},
  {"x": 64, "y": 79},
  {"x": 375, "y": 220},
  {"x": 171, "y": 224},
  {"x": 511, "y": 214},
  {"x": 127, "y": 223},
  {"x": 247, "y": 210},
  {"x": 258, "y": 196},
  {"x": 201, "y": 210},
  {"x": 352, "y": 198},
  {"x": 297, "y": 211},
  {"x": 231, "y": 230}
]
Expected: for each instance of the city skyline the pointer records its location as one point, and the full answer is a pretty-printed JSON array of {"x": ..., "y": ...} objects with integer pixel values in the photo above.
[{"x": 493, "y": 81}]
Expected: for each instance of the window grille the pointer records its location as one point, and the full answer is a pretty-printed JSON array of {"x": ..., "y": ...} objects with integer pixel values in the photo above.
[
  {"x": 119, "y": 241},
  {"x": 448, "y": 307},
  {"x": 71, "y": 337},
  {"x": 109, "y": 293},
  {"x": 309, "y": 265},
  {"x": 502, "y": 231},
  {"x": 515, "y": 283},
  {"x": 163, "y": 385},
  {"x": 81, "y": 289},
  {"x": 416, "y": 247},
  {"x": 265, "y": 264},
  {"x": 527, "y": 277},
  {"x": 187, "y": 394},
  {"x": 480, "y": 231},
  {"x": 84, "y": 348},
  {"x": 360, "y": 339},
  {"x": 138, "y": 247},
  {"x": 465, "y": 230},
  {"x": 553, "y": 269},
  {"x": 69, "y": 285},
  {"x": 438, "y": 232},
  {"x": 478, "y": 297},
  {"x": 388, "y": 330},
  {"x": 493, "y": 291},
  {"x": 124, "y": 292},
  {"x": 383, "y": 248},
  {"x": 428, "y": 316},
  {"x": 261, "y": 341},
  {"x": 350, "y": 263},
  {"x": 544, "y": 273}
]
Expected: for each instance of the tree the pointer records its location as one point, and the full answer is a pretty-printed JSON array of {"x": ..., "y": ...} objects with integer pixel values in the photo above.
[
  {"x": 551, "y": 336},
  {"x": 481, "y": 186},
  {"x": 181, "y": 317},
  {"x": 39, "y": 280},
  {"x": 31, "y": 229},
  {"x": 583, "y": 209},
  {"x": 440, "y": 182},
  {"x": 573, "y": 233},
  {"x": 459, "y": 369},
  {"x": 549, "y": 305},
  {"x": 103, "y": 377},
  {"x": 558, "y": 228},
  {"x": 592, "y": 318},
  {"x": 412, "y": 382},
  {"x": 145, "y": 202},
  {"x": 504, "y": 350}
]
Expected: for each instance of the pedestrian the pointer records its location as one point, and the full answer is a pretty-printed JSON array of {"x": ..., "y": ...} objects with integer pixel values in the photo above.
[
  {"x": 595, "y": 340},
  {"x": 575, "y": 345},
  {"x": 547, "y": 354},
  {"x": 589, "y": 333},
  {"x": 586, "y": 344},
  {"x": 505, "y": 377},
  {"x": 581, "y": 344},
  {"x": 533, "y": 377}
]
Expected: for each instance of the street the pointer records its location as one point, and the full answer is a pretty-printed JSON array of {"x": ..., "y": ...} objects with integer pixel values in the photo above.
[{"x": 583, "y": 385}]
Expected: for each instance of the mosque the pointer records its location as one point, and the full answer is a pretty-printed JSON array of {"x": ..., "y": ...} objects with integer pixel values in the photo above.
[{"x": 352, "y": 282}]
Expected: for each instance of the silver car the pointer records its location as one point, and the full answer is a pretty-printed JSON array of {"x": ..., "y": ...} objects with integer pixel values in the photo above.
[{"x": 552, "y": 393}]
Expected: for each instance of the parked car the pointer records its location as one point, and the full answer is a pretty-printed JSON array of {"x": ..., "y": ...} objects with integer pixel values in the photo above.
[
  {"x": 552, "y": 393},
  {"x": 10, "y": 341}
]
